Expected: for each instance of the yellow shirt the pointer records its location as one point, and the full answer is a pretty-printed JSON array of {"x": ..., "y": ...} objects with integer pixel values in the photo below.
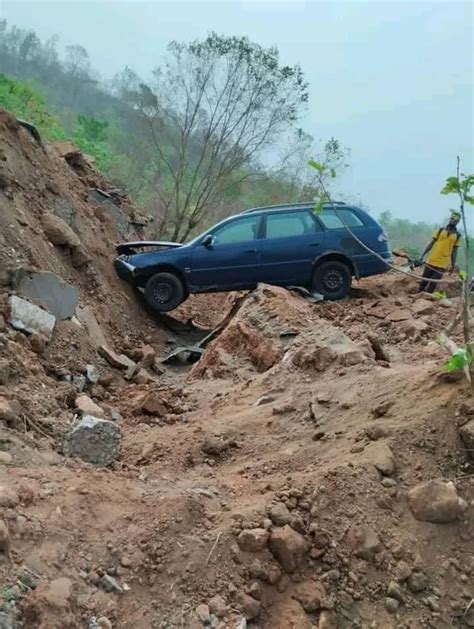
[{"x": 445, "y": 242}]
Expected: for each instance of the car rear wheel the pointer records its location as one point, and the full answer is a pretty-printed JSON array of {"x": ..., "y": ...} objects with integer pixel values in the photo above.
[
  {"x": 164, "y": 292},
  {"x": 332, "y": 279}
]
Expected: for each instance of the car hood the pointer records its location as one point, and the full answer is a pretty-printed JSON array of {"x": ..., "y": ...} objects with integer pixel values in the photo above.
[{"x": 131, "y": 248}]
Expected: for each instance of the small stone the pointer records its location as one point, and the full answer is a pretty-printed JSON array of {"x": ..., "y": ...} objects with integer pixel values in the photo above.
[
  {"x": 214, "y": 445},
  {"x": 435, "y": 501},
  {"x": 383, "y": 460},
  {"x": 104, "y": 623},
  {"x": 86, "y": 406},
  {"x": 5, "y": 541},
  {"x": 417, "y": 582},
  {"x": 280, "y": 515},
  {"x": 252, "y": 540},
  {"x": 395, "y": 591},
  {"x": 265, "y": 399},
  {"x": 364, "y": 542},
  {"x": 120, "y": 361},
  {"x": 94, "y": 440},
  {"x": 327, "y": 620},
  {"x": 389, "y": 482},
  {"x": 5, "y": 458},
  {"x": 8, "y": 497},
  {"x": 93, "y": 374},
  {"x": 109, "y": 584},
  {"x": 115, "y": 415},
  {"x": 391, "y": 605},
  {"x": 203, "y": 613},
  {"x": 288, "y": 547},
  {"x": 126, "y": 561},
  {"x": 310, "y": 594},
  {"x": 424, "y": 307},
  {"x": 382, "y": 408},
  {"x": 402, "y": 571},
  {"x": 217, "y": 606},
  {"x": 250, "y": 607}
]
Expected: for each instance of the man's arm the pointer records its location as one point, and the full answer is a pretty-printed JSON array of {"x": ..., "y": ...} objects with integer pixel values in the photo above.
[{"x": 428, "y": 248}]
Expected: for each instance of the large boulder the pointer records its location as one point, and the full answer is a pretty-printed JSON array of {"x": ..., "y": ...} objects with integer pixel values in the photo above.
[
  {"x": 435, "y": 501},
  {"x": 58, "y": 231},
  {"x": 27, "y": 317},
  {"x": 47, "y": 290},
  {"x": 94, "y": 440}
]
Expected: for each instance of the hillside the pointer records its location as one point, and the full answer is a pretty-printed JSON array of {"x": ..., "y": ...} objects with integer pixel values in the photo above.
[{"x": 313, "y": 469}]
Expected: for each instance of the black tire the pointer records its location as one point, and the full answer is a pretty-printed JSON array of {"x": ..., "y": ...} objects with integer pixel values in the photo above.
[
  {"x": 332, "y": 279},
  {"x": 164, "y": 292}
]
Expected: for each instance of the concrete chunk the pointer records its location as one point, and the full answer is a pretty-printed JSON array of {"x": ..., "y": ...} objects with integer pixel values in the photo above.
[
  {"x": 94, "y": 440},
  {"x": 48, "y": 290},
  {"x": 30, "y": 318}
]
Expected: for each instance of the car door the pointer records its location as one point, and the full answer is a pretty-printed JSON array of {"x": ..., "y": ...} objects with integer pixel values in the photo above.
[
  {"x": 292, "y": 240},
  {"x": 231, "y": 261}
]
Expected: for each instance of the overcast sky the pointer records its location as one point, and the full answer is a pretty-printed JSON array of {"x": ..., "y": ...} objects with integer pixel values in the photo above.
[{"x": 392, "y": 81}]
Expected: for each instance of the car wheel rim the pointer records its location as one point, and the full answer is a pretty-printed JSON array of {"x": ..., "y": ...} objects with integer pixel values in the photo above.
[
  {"x": 333, "y": 280},
  {"x": 162, "y": 293}
]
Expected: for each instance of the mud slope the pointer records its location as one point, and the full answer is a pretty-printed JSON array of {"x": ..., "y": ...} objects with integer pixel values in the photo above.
[{"x": 313, "y": 469}]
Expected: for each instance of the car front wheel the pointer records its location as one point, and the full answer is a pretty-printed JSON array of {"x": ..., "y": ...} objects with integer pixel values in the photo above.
[
  {"x": 164, "y": 292},
  {"x": 332, "y": 279}
]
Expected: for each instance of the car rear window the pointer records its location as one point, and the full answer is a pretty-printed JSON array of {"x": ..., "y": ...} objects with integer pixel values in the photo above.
[
  {"x": 287, "y": 224},
  {"x": 335, "y": 219}
]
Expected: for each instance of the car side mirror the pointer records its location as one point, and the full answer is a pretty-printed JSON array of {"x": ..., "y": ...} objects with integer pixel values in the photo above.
[{"x": 209, "y": 241}]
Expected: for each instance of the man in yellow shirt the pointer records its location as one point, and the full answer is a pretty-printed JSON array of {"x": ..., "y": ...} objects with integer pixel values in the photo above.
[{"x": 442, "y": 250}]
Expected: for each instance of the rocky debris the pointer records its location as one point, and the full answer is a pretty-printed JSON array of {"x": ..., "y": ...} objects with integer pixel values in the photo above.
[
  {"x": 310, "y": 594},
  {"x": 87, "y": 318},
  {"x": 398, "y": 314},
  {"x": 383, "y": 459},
  {"x": 435, "y": 501},
  {"x": 5, "y": 541},
  {"x": 379, "y": 350},
  {"x": 10, "y": 412},
  {"x": 467, "y": 436},
  {"x": 93, "y": 374},
  {"x": 364, "y": 542},
  {"x": 86, "y": 406},
  {"x": 326, "y": 348},
  {"x": 27, "y": 317},
  {"x": 153, "y": 404},
  {"x": 402, "y": 571},
  {"x": 48, "y": 291},
  {"x": 214, "y": 445},
  {"x": 423, "y": 307},
  {"x": 413, "y": 327},
  {"x": 252, "y": 540},
  {"x": 8, "y": 497},
  {"x": 250, "y": 607},
  {"x": 395, "y": 591},
  {"x": 279, "y": 514},
  {"x": 417, "y": 582},
  {"x": 58, "y": 232},
  {"x": 288, "y": 547},
  {"x": 109, "y": 584},
  {"x": 203, "y": 613},
  {"x": 94, "y": 440},
  {"x": 119, "y": 361},
  {"x": 391, "y": 605},
  {"x": 327, "y": 620},
  {"x": 381, "y": 409},
  {"x": 217, "y": 606}
]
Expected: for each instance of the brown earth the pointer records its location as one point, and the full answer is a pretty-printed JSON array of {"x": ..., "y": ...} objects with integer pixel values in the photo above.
[{"x": 270, "y": 483}]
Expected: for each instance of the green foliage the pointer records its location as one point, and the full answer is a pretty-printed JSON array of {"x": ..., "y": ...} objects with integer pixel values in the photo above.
[
  {"x": 23, "y": 101},
  {"x": 90, "y": 135},
  {"x": 459, "y": 360},
  {"x": 439, "y": 294},
  {"x": 461, "y": 187}
]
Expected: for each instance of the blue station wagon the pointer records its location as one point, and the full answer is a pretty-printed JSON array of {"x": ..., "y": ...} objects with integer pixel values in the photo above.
[{"x": 287, "y": 245}]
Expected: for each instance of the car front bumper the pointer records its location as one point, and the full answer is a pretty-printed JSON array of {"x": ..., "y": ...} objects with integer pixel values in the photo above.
[{"x": 125, "y": 270}]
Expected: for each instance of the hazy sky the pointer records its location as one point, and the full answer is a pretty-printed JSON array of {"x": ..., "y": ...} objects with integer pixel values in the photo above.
[{"x": 393, "y": 81}]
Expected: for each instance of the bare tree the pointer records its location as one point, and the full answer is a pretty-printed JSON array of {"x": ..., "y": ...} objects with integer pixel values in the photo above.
[{"x": 211, "y": 112}]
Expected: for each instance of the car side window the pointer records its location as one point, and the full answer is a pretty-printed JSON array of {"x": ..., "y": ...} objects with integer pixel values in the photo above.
[
  {"x": 242, "y": 230},
  {"x": 332, "y": 219},
  {"x": 287, "y": 224}
]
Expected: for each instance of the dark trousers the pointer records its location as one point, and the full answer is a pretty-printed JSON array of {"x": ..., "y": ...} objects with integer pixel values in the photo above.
[{"x": 430, "y": 273}]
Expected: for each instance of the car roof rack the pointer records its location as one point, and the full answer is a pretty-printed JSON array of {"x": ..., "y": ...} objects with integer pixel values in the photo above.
[{"x": 286, "y": 206}]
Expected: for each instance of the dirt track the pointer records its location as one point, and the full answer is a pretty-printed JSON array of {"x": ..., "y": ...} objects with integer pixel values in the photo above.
[{"x": 269, "y": 483}]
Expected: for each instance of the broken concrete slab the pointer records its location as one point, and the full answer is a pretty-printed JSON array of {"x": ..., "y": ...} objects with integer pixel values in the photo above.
[
  {"x": 120, "y": 361},
  {"x": 86, "y": 317},
  {"x": 94, "y": 440},
  {"x": 28, "y": 317},
  {"x": 48, "y": 290}
]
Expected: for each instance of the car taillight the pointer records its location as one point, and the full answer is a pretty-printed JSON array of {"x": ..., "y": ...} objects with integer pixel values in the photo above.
[{"x": 383, "y": 237}]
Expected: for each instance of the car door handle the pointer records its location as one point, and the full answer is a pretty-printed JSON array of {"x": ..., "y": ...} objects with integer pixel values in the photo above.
[
  {"x": 314, "y": 244},
  {"x": 251, "y": 251}
]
